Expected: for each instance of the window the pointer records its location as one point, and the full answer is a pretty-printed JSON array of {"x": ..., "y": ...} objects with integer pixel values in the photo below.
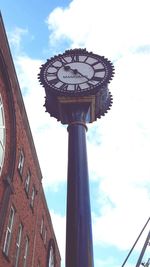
[
  {"x": 18, "y": 242},
  {"x": 45, "y": 236},
  {"x": 2, "y": 134},
  {"x": 27, "y": 181},
  {"x": 51, "y": 257},
  {"x": 32, "y": 197},
  {"x": 21, "y": 162},
  {"x": 26, "y": 252},
  {"x": 42, "y": 226},
  {"x": 9, "y": 231}
]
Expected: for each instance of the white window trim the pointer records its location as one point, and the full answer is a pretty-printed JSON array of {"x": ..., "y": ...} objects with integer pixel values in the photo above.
[
  {"x": 18, "y": 243},
  {"x": 51, "y": 257},
  {"x": 26, "y": 252},
  {"x": 42, "y": 226},
  {"x": 32, "y": 197},
  {"x": 27, "y": 181},
  {"x": 21, "y": 162},
  {"x": 8, "y": 234},
  {"x": 45, "y": 236}
]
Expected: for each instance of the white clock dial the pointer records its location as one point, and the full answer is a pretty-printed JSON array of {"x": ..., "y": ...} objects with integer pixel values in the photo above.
[{"x": 76, "y": 71}]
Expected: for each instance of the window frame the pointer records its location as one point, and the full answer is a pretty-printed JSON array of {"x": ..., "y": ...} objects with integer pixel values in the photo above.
[
  {"x": 8, "y": 234},
  {"x": 33, "y": 193},
  {"x": 45, "y": 236},
  {"x": 51, "y": 262},
  {"x": 21, "y": 162},
  {"x": 42, "y": 226},
  {"x": 18, "y": 244},
  {"x": 27, "y": 181},
  {"x": 25, "y": 256}
]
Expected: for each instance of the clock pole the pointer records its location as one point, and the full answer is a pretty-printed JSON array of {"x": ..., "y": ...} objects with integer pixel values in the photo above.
[
  {"x": 79, "y": 245},
  {"x": 76, "y": 87}
]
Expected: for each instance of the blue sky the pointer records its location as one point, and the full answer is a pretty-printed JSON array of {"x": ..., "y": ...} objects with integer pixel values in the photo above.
[{"x": 118, "y": 144}]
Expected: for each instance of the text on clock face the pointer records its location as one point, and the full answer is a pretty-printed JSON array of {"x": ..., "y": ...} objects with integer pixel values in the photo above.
[{"x": 69, "y": 74}]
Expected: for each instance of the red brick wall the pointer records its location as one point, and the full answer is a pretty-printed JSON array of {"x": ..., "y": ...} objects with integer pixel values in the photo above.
[{"x": 30, "y": 218}]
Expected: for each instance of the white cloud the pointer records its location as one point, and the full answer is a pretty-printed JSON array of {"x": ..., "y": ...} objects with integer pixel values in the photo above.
[
  {"x": 108, "y": 27},
  {"x": 15, "y": 37},
  {"x": 120, "y": 225}
]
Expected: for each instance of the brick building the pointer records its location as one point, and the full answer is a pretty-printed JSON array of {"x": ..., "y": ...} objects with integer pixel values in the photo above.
[{"x": 27, "y": 237}]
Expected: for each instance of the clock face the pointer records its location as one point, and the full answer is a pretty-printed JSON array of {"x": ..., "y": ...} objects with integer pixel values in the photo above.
[{"x": 76, "y": 71}]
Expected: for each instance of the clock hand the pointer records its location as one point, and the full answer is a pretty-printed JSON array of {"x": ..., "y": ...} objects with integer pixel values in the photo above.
[
  {"x": 66, "y": 68},
  {"x": 75, "y": 71}
]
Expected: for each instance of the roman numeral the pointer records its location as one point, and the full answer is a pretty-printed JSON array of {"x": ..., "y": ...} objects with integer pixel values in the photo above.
[
  {"x": 99, "y": 70},
  {"x": 63, "y": 87},
  {"x": 93, "y": 64},
  {"x": 77, "y": 87},
  {"x": 63, "y": 61},
  {"x": 51, "y": 77},
  {"x": 54, "y": 81},
  {"x": 97, "y": 79},
  {"x": 75, "y": 58},
  {"x": 50, "y": 74}
]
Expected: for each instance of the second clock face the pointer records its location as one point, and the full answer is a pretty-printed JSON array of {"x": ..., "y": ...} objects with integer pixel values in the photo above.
[{"x": 76, "y": 72}]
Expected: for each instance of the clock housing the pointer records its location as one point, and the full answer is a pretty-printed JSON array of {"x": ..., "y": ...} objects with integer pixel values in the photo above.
[{"x": 76, "y": 72}]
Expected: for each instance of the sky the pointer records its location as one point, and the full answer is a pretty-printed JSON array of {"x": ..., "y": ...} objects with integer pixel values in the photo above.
[{"x": 118, "y": 144}]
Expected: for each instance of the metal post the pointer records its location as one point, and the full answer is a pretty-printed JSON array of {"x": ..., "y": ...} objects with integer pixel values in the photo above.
[
  {"x": 143, "y": 250},
  {"x": 79, "y": 245},
  {"x": 135, "y": 242}
]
